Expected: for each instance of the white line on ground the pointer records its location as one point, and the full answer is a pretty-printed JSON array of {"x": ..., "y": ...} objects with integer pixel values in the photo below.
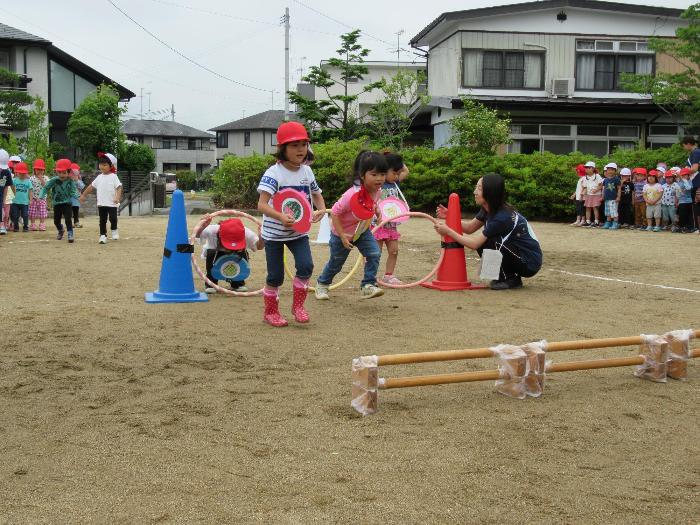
[
  {"x": 79, "y": 239},
  {"x": 601, "y": 278}
]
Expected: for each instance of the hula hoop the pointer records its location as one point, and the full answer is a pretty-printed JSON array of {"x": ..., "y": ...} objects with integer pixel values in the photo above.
[
  {"x": 197, "y": 230},
  {"x": 437, "y": 265},
  {"x": 333, "y": 286}
]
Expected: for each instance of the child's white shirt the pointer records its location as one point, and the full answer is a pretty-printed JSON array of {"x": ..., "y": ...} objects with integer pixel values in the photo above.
[
  {"x": 106, "y": 189},
  {"x": 210, "y": 238},
  {"x": 579, "y": 188},
  {"x": 592, "y": 185}
]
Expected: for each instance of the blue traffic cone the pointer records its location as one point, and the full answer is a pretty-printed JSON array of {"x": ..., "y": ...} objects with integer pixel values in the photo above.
[{"x": 176, "y": 284}]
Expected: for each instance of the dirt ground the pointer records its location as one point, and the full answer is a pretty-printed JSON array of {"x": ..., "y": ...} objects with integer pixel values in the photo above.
[{"x": 113, "y": 410}]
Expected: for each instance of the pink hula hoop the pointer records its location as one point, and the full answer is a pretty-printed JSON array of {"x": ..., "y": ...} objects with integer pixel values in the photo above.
[
  {"x": 206, "y": 220},
  {"x": 437, "y": 265}
]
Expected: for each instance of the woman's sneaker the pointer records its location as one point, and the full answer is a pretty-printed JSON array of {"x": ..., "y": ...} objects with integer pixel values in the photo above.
[
  {"x": 115, "y": 235},
  {"x": 242, "y": 288},
  {"x": 71, "y": 237},
  {"x": 59, "y": 235},
  {"x": 103, "y": 239},
  {"x": 321, "y": 292},
  {"x": 370, "y": 291}
]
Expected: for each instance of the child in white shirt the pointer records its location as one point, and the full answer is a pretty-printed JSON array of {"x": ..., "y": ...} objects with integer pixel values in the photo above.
[{"x": 109, "y": 194}]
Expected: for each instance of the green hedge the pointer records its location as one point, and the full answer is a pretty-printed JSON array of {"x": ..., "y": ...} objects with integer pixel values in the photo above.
[{"x": 539, "y": 185}]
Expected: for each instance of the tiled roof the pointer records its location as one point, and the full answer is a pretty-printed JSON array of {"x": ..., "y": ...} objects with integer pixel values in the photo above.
[
  {"x": 163, "y": 128},
  {"x": 10, "y": 33},
  {"x": 270, "y": 119}
]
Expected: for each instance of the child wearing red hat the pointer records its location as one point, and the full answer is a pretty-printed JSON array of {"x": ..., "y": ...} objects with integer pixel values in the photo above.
[
  {"x": 75, "y": 203},
  {"x": 20, "y": 203},
  {"x": 37, "y": 206},
  {"x": 227, "y": 237},
  {"x": 685, "y": 201},
  {"x": 290, "y": 171},
  {"x": 639, "y": 204},
  {"x": 62, "y": 189},
  {"x": 350, "y": 219},
  {"x": 577, "y": 196}
]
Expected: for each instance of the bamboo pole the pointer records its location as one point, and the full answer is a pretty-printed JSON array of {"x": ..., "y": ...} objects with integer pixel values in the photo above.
[
  {"x": 473, "y": 353},
  {"x": 486, "y": 375}
]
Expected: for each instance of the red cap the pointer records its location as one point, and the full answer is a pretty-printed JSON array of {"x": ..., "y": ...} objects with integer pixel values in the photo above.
[
  {"x": 654, "y": 173},
  {"x": 581, "y": 170},
  {"x": 74, "y": 166},
  {"x": 291, "y": 132},
  {"x": 21, "y": 167},
  {"x": 39, "y": 164},
  {"x": 685, "y": 171},
  {"x": 232, "y": 234},
  {"x": 62, "y": 165},
  {"x": 639, "y": 171}
]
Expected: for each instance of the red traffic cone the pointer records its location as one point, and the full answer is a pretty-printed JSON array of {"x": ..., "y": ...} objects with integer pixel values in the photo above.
[{"x": 452, "y": 274}]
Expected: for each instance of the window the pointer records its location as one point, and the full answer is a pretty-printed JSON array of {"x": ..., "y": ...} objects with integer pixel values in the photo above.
[
  {"x": 592, "y": 139},
  {"x": 592, "y": 130},
  {"x": 598, "y": 148},
  {"x": 67, "y": 90},
  {"x": 559, "y": 147},
  {"x": 273, "y": 138},
  {"x": 246, "y": 138},
  {"x": 556, "y": 129},
  {"x": 600, "y": 64},
  {"x": 222, "y": 139},
  {"x": 5, "y": 58},
  {"x": 503, "y": 69},
  {"x": 624, "y": 131},
  {"x": 168, "y": 143},
  {"x": 135, "y": 138},
  {"x": 663, "y": 129}
]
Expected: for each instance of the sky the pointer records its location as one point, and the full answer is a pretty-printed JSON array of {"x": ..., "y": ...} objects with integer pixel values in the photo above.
[{"x": 240, "y": 40}]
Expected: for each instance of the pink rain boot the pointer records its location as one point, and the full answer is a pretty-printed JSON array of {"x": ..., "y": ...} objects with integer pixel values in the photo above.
[
  {"x": 272, "y": 314},
  {"x": 301, "y": 287}
]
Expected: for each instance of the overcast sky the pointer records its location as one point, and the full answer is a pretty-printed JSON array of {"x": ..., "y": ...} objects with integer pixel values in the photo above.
[{"x": 241, "y": 40}]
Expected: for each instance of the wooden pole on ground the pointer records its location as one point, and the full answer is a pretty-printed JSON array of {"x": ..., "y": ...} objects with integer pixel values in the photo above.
[
  {"x": 473, "y": 353},
  {"x": 486, "y": 375}
]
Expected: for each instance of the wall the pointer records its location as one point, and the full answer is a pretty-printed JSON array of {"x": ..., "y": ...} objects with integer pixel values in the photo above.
[{"x": 260, "y": 143}]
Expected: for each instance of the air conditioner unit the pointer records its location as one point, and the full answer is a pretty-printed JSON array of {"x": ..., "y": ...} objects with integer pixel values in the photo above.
[{"x": 562, "y": 87}]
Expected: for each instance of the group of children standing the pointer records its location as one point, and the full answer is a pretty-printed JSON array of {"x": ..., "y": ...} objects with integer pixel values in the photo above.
[
  {"x": 641, "y": 199},
  {"x": 25, "y": 197}
]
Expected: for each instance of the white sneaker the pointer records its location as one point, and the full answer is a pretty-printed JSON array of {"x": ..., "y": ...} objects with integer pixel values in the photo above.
[
  {"x": 103, "y": 239},
  {"x": 3, "y": 231},
  {"x": 369, "y": 291},
  {"x": 209, "y": 290},
  {"x": 115, "y": 235},
  {"x": 243, "y": 288},
  {"x": 321, "y": 292},
  {"x": 390, "y": 279}
]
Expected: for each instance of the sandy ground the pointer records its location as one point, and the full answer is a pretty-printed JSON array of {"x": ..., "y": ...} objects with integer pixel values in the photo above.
[{"x": 112, "y": 410}]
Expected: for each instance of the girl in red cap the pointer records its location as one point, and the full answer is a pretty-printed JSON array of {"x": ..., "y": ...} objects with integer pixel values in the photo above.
[
  {"x": 577, "y": 196},
  {"x": 290, "y": 171},
  {"x": 350, "y": 218},
  {"x": 62, "y": 189},
  {"x": 37, "y": 206}
]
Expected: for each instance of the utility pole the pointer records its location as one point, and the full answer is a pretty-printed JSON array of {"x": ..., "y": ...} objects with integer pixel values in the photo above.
[
  {"x": 398, "y": 47},
  {"x": 149, "y": 100},
  {"x": 172, "y": 112},
  {"x": 141, "y": 112},
  {"x": 286, "y": 63}
]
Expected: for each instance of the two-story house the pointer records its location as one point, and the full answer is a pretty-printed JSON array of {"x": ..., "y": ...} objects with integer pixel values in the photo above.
[
  {"x": 254, "y": 134},
  {"x": 377, "y": 71},
  {"x": 177, "y": 146},
  {"x": 555, "y": 67},
  {"x": 61, "y": 80}
]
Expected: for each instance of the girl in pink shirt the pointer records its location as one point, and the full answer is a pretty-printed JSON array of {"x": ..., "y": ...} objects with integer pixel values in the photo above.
[{"x": 350, "y": 227}]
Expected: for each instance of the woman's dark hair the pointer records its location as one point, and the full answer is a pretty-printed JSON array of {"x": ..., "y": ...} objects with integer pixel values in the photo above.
[
  {"x": 394, "y": 161},
  {"x": 689, "y": 139},
  {"x": 493, "y": 188}
]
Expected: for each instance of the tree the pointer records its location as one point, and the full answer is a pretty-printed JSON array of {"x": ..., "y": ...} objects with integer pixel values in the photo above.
[
  {"x": 679, "y": 92},
  {"x": 390, "y": 119},
  {"x": 478, "y": 128},
  {"x": 36, "y": 144},
  {"x": 94, "y": 125},
  {"x": 13, "y": 101},
  {"x": 336, "y": 112},
  {"x": 136, "y": 157}
]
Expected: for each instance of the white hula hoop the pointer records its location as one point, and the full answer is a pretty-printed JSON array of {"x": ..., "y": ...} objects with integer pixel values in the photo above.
[
  {"x": 206, "y": 220},
  {"x": 437, "y": 265}
]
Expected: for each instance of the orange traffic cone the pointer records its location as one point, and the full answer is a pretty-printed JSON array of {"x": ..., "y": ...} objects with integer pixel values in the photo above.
[{"x": 452, "y": 274}]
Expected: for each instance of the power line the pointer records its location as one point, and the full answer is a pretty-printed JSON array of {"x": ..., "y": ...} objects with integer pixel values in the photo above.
[{"x": 205, "y": 68}]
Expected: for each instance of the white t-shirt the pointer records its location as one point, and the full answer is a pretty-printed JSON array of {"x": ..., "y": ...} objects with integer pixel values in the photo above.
[
  {"x": 210, "y": 238},
  {"x": 579, "y": 188},
  {"x": 278, "y": 178},
  {"x": 593, "y": 184},
  {"x": 106, "y": 189}
]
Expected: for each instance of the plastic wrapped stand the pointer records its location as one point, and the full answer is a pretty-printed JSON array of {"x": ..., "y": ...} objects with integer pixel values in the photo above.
[
  {"x": 654, "y": 351},
  {"x": 513, "y": 369},
  {"x": 364, "y": 384},
  {"x": 534, "y": 380},
  {"x": 678, "y": 353}
]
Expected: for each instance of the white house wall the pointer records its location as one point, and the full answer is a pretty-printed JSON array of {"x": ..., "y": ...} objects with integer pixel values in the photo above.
[{"x": 260, "y": 143}]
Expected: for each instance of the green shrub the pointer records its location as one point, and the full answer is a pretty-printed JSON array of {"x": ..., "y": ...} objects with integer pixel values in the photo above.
[
  {"x": 136, "y": 157},
  {"x": 539, "y": 185},
  {"x": 186, "y": 180}
]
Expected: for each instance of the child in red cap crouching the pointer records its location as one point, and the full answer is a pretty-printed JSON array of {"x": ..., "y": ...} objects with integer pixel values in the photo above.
[{"x": 226, "y": 238}]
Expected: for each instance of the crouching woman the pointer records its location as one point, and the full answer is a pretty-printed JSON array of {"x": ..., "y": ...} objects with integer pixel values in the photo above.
[{"x": 504, "y": 230}]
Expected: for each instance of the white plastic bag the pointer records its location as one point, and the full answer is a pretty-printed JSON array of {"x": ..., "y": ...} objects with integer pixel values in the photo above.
[{"x": 490, "y": 264}]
